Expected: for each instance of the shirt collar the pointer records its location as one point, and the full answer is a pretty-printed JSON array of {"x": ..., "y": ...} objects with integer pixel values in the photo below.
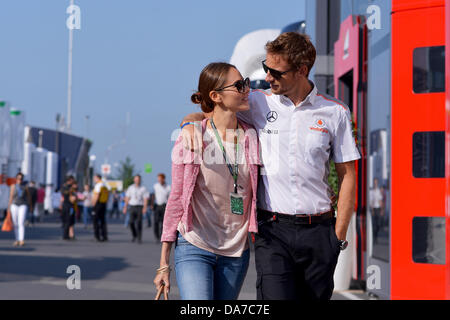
[{"x": 311, "y": 98}]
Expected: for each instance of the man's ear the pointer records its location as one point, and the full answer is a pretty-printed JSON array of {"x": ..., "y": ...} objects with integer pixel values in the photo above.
[
  {"x": 215, "y": 97},
  {"x": 302, "y": 71}
]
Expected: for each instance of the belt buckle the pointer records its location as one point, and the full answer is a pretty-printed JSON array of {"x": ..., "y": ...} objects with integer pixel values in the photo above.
[{"x": 305, "y": 216}]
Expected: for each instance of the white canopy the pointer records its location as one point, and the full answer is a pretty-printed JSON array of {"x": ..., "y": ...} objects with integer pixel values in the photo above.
[{"x": 249, "y": 52}]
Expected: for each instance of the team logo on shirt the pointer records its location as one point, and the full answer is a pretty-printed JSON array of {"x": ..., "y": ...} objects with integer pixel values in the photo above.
[
  {"x": 319, "y": 126},
  {"x": 320, "y": 123},
  {"x": 272, "y": 116}
]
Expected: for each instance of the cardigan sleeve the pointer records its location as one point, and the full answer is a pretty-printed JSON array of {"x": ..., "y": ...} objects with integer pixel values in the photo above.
[{"x": 174, "y": 207}]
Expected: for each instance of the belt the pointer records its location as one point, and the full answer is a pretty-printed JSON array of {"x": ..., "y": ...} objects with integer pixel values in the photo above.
[{"x": 268, "y": 216}]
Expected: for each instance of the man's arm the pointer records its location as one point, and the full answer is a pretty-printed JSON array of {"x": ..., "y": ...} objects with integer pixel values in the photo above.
[
  {"x": 95, "y": 198},
  {"x": 144, "y": 209},
  {"x": 125, "y": 205},
  {"x": 193, "y": 117},
  {"x": 347, "y": 191}
]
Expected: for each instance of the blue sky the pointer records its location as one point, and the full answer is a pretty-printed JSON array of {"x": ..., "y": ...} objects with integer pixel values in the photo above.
[{"x": 137, "y": 56}]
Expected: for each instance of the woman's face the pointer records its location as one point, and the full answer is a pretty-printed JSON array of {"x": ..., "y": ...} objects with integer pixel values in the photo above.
[
  {"x": 19, "y": 179},
  {"x": 231, "y": 98}
]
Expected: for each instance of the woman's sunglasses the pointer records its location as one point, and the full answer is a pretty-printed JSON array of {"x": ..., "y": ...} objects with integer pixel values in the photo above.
[
  {"x": 275, "y": 73},
  {"x": 240, "y": 85}
]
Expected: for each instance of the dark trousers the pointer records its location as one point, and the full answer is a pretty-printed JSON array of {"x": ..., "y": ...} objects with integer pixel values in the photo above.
[
  {"x": 158, "y": 220},
  {"x": 98, "y": 216},
  {"x": 295, "y": 261},
  {"x": 68, "y": 220},
  {"x": 136, "y": 221}
]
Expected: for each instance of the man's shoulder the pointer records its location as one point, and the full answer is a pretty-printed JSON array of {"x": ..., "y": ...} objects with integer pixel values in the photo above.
[
  {"x": 259, "y": 95},
  {"x": 325, "y": 100}
]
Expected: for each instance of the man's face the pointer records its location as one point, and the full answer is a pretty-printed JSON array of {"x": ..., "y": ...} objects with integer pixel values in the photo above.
[
  {"x": 137, "y": 180},
  {"x": 161, "y": 179},
  {"x": 288, "y": 81}
]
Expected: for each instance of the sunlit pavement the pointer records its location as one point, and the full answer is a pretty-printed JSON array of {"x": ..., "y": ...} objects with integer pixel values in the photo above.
[{"x": 117, "y": 269}]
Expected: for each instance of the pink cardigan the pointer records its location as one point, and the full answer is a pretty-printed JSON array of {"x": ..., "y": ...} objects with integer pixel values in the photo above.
[{"x": 185, "y": 169}]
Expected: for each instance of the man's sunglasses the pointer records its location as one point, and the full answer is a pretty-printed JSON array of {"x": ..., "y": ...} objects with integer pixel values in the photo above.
[
  {"x": 275, "y": 73},
  {"x": 240, "y": 85}
]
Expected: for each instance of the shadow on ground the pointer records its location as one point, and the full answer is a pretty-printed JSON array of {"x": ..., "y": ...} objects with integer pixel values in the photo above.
[{"x": 14, "y": 267}]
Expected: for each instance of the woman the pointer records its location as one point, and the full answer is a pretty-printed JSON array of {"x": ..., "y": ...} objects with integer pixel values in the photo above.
[
  {"x": 212, "y": 205},
  {"x": 19, "y": 199},
  {"x": 87, "y": 205}
]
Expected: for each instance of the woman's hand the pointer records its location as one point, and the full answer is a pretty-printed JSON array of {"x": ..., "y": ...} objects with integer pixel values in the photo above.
[{"x": 163, "y": 279}]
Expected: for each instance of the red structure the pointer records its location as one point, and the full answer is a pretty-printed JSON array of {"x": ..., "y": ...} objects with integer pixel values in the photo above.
[
  {"x": 447, "y": 171},
  {"x": 418, "y": 29},
  {"x": 396, "y": 83},
  {"x": 350, "y": 78}
]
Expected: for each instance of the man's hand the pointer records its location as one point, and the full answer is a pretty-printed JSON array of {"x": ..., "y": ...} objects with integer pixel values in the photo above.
[{"x": 188, "y": 132}]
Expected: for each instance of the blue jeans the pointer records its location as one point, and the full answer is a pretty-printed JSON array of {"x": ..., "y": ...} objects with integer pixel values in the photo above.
[
  {"x": 203, "y": 275},
  {"x": 86, "y": 215}
]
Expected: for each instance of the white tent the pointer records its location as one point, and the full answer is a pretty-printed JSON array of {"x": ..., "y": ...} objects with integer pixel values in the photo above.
[{"x": 249, "y": 52}]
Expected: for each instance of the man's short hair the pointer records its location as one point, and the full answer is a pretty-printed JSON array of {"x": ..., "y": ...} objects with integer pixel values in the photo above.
[
  {"x": 162, "y": 175},
  {"x": 138, "y": 175},
  {"x": 297, "y": 48}
]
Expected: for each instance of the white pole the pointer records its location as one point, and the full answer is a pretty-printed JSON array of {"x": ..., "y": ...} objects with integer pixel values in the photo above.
[{"x": 69, "y": 82}]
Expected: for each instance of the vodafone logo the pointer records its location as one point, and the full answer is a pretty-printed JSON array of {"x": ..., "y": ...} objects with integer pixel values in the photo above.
[{"x": 320, "y": 123}]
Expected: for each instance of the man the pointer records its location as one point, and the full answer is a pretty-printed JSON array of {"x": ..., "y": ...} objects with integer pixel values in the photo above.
[
  {"x": 300, "y": 130},
  {"x": 162, "y": 192},
  {"x": 136, "y": 197},
  {"x": 115, "y": 204},
  {"x": 99, "y": 200},
  {"x": 67, "y": 200},
  {"x": 376, "y": 203}
]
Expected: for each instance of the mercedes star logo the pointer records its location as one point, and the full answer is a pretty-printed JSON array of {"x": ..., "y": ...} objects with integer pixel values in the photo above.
[{"x": 272, "y": 116}]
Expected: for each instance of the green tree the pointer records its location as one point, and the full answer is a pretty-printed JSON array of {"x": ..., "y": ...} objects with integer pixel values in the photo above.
[
  {"x": 333, "y": 180},
  {"x": 126, "y": 172}
]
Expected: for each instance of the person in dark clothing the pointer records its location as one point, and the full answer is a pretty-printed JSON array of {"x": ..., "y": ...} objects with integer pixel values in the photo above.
[
  {"x": 99, "y": 200},
  {"x": 68, "y": 218},
  {"x": 115, "y": 206}
]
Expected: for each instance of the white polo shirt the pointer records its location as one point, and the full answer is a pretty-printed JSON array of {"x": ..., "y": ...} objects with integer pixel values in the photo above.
[
  {"x": 136, "y": 195},
  {"x": 162, "y": 193},
  {"x": 296, "y": 145}
]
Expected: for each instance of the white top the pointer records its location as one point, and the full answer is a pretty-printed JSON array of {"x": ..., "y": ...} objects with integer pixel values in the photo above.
[
  {"x": 136, "y": 195},
  {"x": 296, "y": 144},
  {"x": 98, "y": 186},
  {"x": 376, "y": 198},
  {"x": 214, "y": 227},
  {"x": 161, "y": 193},
  {"x": 87, "y": 199}
]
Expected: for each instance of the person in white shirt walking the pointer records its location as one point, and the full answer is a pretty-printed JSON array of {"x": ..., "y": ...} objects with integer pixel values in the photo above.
[
  {"x": 136, "y": 198},
  {"x": 162, "y": 192}
]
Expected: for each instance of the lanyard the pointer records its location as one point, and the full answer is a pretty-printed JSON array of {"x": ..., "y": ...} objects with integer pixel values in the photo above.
[{"x": 234, "y": 170}]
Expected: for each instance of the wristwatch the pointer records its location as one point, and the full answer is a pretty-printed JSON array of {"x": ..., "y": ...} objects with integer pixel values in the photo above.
[{"x": 343, "y": 244}]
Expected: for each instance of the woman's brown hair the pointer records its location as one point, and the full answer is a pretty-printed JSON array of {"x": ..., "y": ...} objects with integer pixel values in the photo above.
[{"x": 213, "y": 76}]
